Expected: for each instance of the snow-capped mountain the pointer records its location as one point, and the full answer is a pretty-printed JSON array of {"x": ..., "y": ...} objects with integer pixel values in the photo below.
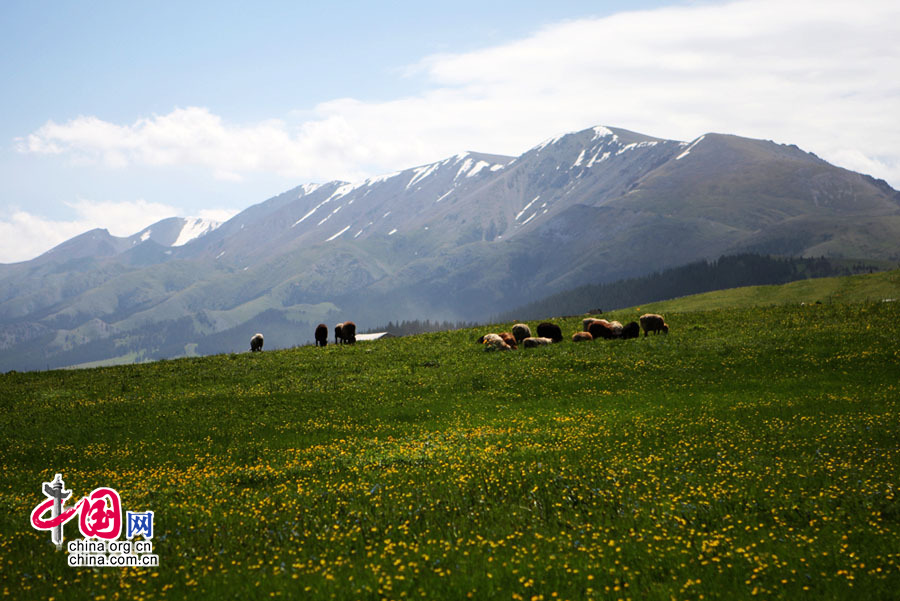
[
  {"x": 98, "y": 243},
  {"x": 462, "y": 238}
]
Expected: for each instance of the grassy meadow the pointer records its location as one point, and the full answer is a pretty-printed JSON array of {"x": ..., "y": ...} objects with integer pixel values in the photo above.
[{"x": 752, "y": 452}]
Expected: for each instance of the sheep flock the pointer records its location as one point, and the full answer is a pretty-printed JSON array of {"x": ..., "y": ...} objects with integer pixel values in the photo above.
[
  {"x": 592, "y": 329},
  {"x": 521, "y": 334}
]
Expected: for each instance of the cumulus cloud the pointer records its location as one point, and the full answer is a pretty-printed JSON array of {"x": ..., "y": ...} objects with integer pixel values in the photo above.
[
  {"x": 818, "y": 73},
  {"x": 24, "y": 235}
]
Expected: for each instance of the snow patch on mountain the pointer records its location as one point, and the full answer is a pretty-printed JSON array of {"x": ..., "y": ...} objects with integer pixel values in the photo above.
[
  {"x": 467, "y": 164},
  {"x": 689, "y": 148},
  {"x": 597, "y": 158},
  {"x": 602, "y": 132},
  {"x": 549, "y": 142},
  {"x": 338, "y": 234},
  {"x": 526, "y": 207},
  {"x": 345, "y": 190},
  {"x": 445, "y": 195},
  {"x": 308, "y": 189},
  {"x": 634, "y": 145},
  {"x": 478, "y": 167},
  {"x": 580, "y": 158},
  {"x": 309, "y": 214},
  {"x": 194, "y": 227},
  {"x": 421, "y": 173}
]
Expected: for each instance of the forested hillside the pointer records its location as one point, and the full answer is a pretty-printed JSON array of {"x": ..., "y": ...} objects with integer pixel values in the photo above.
[{"x": 701, "y": 276}]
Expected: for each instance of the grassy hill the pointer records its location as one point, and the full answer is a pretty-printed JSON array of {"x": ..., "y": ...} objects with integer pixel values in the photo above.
[
  {"x": 728, "y": 271},
  {"x": 751, "y": 452},
  {"x": 849, "y": 289}
]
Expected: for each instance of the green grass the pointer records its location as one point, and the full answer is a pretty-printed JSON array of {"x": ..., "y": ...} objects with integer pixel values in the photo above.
[
  {"x": 752, "y": 452},
  {"x": 850, "y": 289}
]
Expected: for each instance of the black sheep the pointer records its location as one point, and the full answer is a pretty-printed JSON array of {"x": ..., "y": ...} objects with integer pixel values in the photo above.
[
  {"x": 551, "y": 331},
  {"x": 631, "y": 330},
  {"x": 321, "y": 335}
]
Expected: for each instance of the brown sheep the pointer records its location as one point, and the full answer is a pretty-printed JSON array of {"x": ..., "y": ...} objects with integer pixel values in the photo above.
[
  {"x": 348, "y": 333},
  {"x": 521, "y": 331},
  {"x": 509, "y": 339},
  {"x": 256, "y": 343},
  {"x": 582, "y": 337},
  {"x": 536, "y": 342},
  {"x": 550, "y": 330},
  {"x": 598, "y": 329},
  {"x": 321, "y": 335},
  {"x": 338, "y": 337},
  {"x": 651, "y": 322}
]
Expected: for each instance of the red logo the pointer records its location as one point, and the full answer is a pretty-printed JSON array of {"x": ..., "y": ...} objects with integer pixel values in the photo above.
[{"x": 100, "y": 513}]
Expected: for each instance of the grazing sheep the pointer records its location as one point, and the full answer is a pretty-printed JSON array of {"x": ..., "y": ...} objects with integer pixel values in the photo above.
[
  {"x": 587, "y": 321},
  {"x": 599, "y": 329},
  {"x": 535, "y": 342},
  {"x": 348, "y": 333},
  {"x": 582, "y": 337},
  {"x": 631, "y": 330},
  {"x": 493, "y": 342},
  {"x": 521, "y": 331},
  {"x": 338, "y": 334},
  {"x": 321, "y": 335},
  {"x": 256, "y": 343},
  {"x": 551, "y": 331},
  {"x": 616, "y": 328},
  {"x": 651, "y": 322},
  {"x": 509, "y": 339}
]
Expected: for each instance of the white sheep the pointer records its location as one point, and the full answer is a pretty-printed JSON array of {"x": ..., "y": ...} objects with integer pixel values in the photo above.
[{"x": 493, "y": 342}]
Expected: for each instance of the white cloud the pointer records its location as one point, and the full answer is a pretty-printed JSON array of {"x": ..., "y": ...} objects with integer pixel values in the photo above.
[
  {"x": 120, "y": 218},
  {"x": 818, "y": 73},
  {"x": 24, "y": 235}
]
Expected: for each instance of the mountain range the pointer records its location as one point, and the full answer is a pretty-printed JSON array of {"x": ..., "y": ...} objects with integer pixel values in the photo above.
[{"x": 460, "y": 239}]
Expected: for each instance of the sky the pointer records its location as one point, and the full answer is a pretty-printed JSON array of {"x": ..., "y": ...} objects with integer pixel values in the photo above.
[{"x": 119, "y": 114}]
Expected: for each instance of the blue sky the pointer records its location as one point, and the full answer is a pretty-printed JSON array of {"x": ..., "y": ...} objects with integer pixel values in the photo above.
[{"x": 117, "y": 114}]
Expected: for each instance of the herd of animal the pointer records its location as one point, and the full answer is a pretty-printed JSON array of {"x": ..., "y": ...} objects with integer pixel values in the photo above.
[
  {"x": 344, "y": 333},
  {"x": 593, "y": 328},
  {"x": 547, "y": 333}
]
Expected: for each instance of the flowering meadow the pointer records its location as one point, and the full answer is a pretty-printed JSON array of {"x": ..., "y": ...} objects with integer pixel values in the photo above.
[{"x": 749, "y": 453}]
